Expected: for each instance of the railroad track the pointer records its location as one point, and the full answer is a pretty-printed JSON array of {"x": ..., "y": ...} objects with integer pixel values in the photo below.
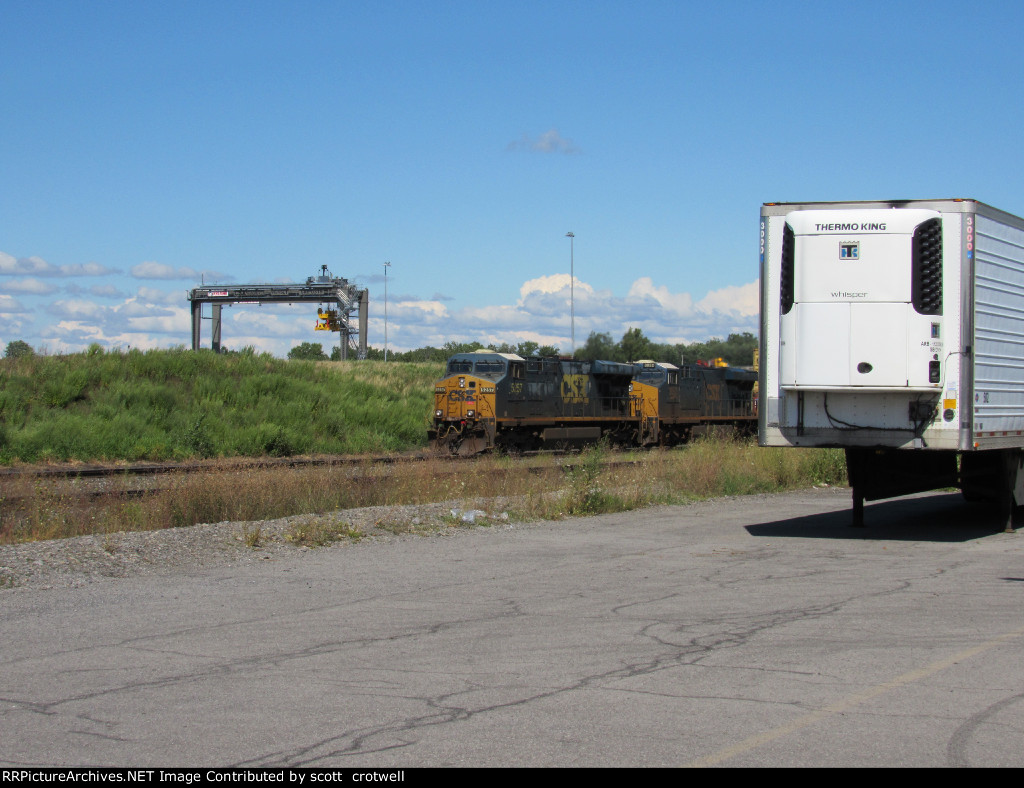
[
  {"x": 78, "y": 500},
  {"x": 91, "y": 471},
  {"x": 96, "y": 471},
  {"x": 93, "y": 484},
  {"x": 89, "y": 482}
]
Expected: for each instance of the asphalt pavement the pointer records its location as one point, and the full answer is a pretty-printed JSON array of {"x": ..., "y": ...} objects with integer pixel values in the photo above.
[{"x": 752, "y": 631}]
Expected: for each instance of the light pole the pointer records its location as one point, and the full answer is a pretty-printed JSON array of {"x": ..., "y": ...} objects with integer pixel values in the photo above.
[
  {"x": 386, "y": 267},
  {"x": 572, "y": 301}
]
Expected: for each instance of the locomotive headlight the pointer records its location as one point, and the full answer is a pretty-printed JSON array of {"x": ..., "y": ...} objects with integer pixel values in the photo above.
[
  {"x": 471, "y": 413},
  {"x": 438, "y": 413},
  {"x": 630, "y": 386},
  {"x": 462, "y": 383}
]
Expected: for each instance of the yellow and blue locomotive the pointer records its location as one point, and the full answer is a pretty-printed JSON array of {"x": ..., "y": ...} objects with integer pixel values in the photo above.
[
  {"x": 490, "y": 400},
  {"x": 671, "y": 402}
]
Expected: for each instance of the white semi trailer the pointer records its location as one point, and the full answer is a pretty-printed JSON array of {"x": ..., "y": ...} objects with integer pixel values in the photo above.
[{"x": 895, "y": 330}]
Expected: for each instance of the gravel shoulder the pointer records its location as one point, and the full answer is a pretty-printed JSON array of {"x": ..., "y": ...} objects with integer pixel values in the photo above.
[
  {"x": 65, "y": 563},
  {"x": 69, "y": 563}
]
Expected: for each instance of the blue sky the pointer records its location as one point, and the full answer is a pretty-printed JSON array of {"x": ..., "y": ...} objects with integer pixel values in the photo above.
[{"x": 146, "y": 146}]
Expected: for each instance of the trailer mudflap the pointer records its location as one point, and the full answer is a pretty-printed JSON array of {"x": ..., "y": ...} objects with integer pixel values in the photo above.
[{"x": 988, "y": 475}]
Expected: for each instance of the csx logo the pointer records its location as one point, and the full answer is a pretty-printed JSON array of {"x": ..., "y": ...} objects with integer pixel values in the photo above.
[
  {"x": 461, "y": 395},
  {"x": 574, "y": 388}
]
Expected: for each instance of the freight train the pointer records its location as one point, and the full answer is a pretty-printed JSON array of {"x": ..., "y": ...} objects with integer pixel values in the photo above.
[{"x": 489, "y": 400}]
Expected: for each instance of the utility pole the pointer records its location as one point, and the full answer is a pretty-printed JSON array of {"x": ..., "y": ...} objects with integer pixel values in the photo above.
[
  {"x": 386, "y": 267},
  {"x": 572, "y": 301}
]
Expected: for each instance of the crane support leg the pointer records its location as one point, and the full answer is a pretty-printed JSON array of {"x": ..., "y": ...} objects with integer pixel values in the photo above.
[
  {"x": 197, "y": 321},
  {"x": 215, "y": 328}
]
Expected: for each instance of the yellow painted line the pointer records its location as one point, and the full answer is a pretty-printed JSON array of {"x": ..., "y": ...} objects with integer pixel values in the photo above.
[{"x": 848, "y": 703}]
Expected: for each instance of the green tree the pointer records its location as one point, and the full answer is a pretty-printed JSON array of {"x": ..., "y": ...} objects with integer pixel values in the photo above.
[
  {"x": 451, "y": 348},
  {"x": 428, "y": 353},
  {"x": 18, "y": 349},
  {"x": 547, "y": 350},
  {"x": 634, "y": 345},
  {"x": 527, "y": 348},
  {"x": 737, "y": 350},
  {"x": 308, "y": 351},
  {"x": 740, "y": 349},
  {"x": 598, "y": 346}
]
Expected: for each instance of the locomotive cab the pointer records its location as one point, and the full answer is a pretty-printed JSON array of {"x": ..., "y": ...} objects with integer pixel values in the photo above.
[
  {"x": 464, "y": 400},
  {"x": 665, "y": 398}
]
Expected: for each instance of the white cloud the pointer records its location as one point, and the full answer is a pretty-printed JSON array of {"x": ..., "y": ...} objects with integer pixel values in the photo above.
[
  {"x": 264, "y": 323},
  {"x": 743, "y": 300},
  {"x": 86, "y": 269},
  {"x": 138, "y": 341},
  {"x": 13, "y": 326},
  {"x": 152, "y": 270},
  {"x": 539, "y": 312},
  {"x": 663, "y": 315},
  {"x": 9, "y": 305},
  {"x": 423, "y": 310},
  {"x": 172, "y": 323},
  {"x": 134, "y": 308},
  {"x": 153, "y": 296},
  {"x": 37, "y": 266},
  {"x": 77, "y": 309},
  {"x": 30, "y": 286},
  {"x": 555, "y": 283},
  {"x": 679, "y": 304},
  {"x": 26, "y": 265},
  {"x": 71, "y": 335},
  {"x": 106, "y": 291},
  {"x": 548, "y": 142}
]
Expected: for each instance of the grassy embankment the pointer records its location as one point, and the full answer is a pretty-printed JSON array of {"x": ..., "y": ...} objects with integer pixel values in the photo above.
[{"x": 179, "y": 404}]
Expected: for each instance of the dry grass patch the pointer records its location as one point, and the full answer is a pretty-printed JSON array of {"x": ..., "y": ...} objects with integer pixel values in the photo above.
[
  {"x": 593, "y": 482},
  {"x": 320, "y": 531}
]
